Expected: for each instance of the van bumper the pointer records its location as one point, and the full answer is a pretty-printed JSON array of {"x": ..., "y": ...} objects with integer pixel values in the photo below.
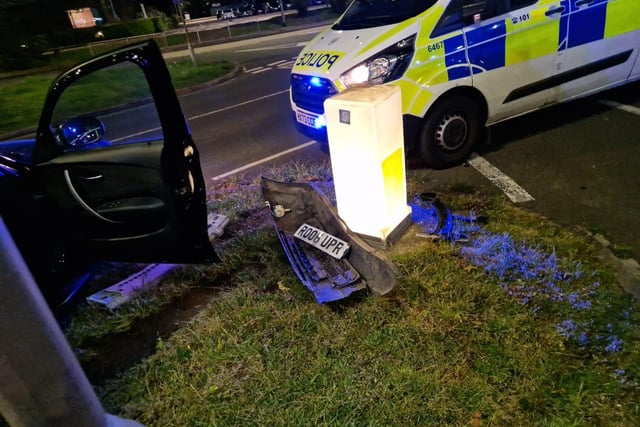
[
  {"x": 411, "y": 126},
  {"x": 319, "y": 135}
]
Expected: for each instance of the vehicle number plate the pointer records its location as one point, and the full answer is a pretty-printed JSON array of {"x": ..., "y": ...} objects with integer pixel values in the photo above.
[
  {"x": 322, "y": 240},
  {"x": 306, "y": 119}
]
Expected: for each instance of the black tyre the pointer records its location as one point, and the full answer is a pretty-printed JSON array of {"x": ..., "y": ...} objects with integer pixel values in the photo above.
[{"x": 451, "y": 131}]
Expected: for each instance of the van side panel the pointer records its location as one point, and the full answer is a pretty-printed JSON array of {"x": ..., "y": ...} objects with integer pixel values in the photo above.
[
  {"x": 623, "y": 16},
  {"x": 524, "y": 45},
  {"x": 512, "y": 56},
  {"x": 602, "y": 36}
]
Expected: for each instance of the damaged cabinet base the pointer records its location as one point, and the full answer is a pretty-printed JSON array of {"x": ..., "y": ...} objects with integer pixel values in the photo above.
[{"x": 314, "y": 238}]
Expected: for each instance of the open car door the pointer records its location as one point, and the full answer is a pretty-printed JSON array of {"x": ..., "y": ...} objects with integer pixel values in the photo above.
[{"x": 117, "y": 176}]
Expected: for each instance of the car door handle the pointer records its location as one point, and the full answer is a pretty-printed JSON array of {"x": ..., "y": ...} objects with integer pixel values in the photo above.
[
  {"x": 88, "y": 175},
  {"x": 554, "y": 10},
  {"x": 82, "y": 203},
  {"x": 92, "y": 178},
  {"x": 583, "y": 2}
]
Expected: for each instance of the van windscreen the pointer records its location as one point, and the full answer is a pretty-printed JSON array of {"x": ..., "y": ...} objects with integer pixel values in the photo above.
[{"x": 375, "y": 13}]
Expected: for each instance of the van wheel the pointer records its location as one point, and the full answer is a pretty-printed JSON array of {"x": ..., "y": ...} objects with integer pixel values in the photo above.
[{"x": 450, "y": 132}]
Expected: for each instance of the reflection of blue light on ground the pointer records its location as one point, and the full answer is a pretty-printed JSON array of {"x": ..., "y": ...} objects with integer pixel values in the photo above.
[
  {"x": 535, "y": 278},
  {"x": 529, "y": 275}
]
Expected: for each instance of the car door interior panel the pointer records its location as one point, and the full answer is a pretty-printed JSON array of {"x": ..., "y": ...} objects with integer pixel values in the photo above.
[{"x": 111, "y": 177}]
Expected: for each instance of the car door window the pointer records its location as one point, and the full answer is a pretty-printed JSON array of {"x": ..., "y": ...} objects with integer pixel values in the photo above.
[
  {"x": 499, "y": 7},
  {"x": 97, "y": 110},
  {"x": 519, "y": 4},
  {"x": 461, "y": 13}
]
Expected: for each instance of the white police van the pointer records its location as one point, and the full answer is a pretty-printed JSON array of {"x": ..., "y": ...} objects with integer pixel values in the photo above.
[{"x": 464, "y": 64}]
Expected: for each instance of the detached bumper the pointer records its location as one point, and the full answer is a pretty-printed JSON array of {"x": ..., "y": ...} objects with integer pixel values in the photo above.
[{"x": 329, "y": 279}]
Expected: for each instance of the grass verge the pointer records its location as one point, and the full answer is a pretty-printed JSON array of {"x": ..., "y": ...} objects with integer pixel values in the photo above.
[
  {"x": 27, "y": 93},
  {"x": 520, "y": 325}
]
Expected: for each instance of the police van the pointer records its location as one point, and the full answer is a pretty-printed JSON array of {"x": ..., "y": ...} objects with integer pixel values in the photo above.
[{"x": 464, "y": 64}]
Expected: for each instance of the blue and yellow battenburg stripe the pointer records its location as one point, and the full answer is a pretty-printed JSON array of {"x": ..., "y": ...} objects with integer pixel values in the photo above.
[
  {"x": 587, "y": 24},
  {"x": 508, "y": 42}
]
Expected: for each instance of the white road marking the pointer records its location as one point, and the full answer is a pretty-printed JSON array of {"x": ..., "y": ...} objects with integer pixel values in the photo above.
[
  {"x": 263, "y": 160},
  {"x": 132, "y": 135},
  {"x": 513, "y": 191},
  {"x": 199, "y": 116},
  {"x": 281, "y": 65},
  {"x": 624, "y": 107},
  {"x": 284, "y": 46}
]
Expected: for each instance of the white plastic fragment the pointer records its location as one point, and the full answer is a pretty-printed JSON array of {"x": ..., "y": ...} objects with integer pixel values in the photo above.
[{"x": 116, "y": 295}]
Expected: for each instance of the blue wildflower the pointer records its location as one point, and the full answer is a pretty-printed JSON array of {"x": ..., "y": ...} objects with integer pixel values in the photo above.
[
  {"x": 583, "y": 339},
  {"x": 577, "y": 302},
  {"x": 614, "y": 346},
  {"x": 567, "y": 328}
]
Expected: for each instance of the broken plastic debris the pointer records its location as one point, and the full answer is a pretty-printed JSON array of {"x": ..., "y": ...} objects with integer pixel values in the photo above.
[{"x": 217, "y": 223}]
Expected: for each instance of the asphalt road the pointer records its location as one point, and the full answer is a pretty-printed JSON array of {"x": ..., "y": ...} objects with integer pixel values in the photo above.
[{"x": 578, "y": 162}]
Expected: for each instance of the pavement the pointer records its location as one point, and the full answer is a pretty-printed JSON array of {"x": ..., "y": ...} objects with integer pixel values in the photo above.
[{"x": 627, "y": 271}]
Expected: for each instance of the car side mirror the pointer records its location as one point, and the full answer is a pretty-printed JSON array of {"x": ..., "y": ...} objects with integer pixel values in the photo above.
[{"x": 79, "y": 131}]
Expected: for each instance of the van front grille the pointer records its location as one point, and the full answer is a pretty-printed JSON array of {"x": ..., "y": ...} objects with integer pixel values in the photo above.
[{"x": 310, "y": 94}]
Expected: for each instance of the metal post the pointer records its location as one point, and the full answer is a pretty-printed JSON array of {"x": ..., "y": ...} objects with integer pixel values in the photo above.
[
  {"x": 284, "y": 22},
  {"x": 113, "y": 11},
  {"x": 186, "y": 32},
  {"x": 41, "y": 381}
]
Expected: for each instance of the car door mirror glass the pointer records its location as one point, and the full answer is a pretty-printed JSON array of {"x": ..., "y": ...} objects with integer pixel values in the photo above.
[{"x": 79, "y": 131}]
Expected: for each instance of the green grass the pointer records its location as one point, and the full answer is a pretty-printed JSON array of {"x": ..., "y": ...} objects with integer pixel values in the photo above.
[
  {"x": 23, "y": 97},
  {"x": 22, "y": 101},
  {"x": 448, "y": 347}
]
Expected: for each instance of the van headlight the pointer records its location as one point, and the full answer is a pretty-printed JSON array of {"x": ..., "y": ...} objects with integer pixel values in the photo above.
[{"x": 383, "y": 67}]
